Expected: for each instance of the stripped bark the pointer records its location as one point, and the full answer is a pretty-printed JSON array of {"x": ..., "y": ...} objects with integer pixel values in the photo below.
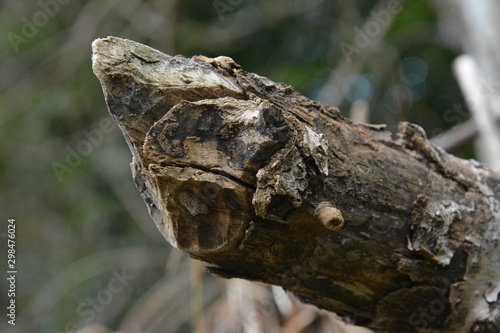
[{"x": 265, "y": 184}]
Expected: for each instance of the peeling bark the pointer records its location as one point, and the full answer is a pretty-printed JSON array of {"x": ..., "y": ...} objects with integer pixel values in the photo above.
[{"x": 264, "y": 184}]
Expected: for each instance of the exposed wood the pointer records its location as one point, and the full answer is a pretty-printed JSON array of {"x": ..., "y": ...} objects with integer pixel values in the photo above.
[{"x": 265, "y": 184}]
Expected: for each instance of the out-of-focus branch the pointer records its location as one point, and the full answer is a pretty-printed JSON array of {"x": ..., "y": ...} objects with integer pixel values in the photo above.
[
  {"x": 471, "y": 81},
  {"x": 478, "y": 72},
  {"x": 456, "y": 136},
  {"x": 357, "y": 53}
]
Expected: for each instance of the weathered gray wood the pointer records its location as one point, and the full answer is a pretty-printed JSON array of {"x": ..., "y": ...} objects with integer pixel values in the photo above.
[{"x": 265, "y": 184}]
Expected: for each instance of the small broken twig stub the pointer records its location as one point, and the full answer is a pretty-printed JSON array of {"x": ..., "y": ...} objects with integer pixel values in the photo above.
[{"x": 265, "y": 184}]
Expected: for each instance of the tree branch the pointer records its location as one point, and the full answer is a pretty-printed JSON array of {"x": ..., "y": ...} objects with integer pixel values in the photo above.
[{"x": 265, "y": 184}]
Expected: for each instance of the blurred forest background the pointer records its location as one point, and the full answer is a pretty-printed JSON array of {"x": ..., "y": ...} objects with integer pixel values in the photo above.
[{"x": 87, "y": 251}]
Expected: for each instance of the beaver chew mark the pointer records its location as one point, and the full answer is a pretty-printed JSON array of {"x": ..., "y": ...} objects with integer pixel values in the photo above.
[
  {"x": 207, "y": 210},
  {"x": 194, "y": 204}
]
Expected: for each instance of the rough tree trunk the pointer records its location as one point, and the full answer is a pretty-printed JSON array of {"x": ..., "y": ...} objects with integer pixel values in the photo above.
[{"x": 265, "y": 184}]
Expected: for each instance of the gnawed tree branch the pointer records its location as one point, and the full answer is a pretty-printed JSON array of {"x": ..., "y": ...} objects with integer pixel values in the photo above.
[{"x": 265, "y": 184}]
